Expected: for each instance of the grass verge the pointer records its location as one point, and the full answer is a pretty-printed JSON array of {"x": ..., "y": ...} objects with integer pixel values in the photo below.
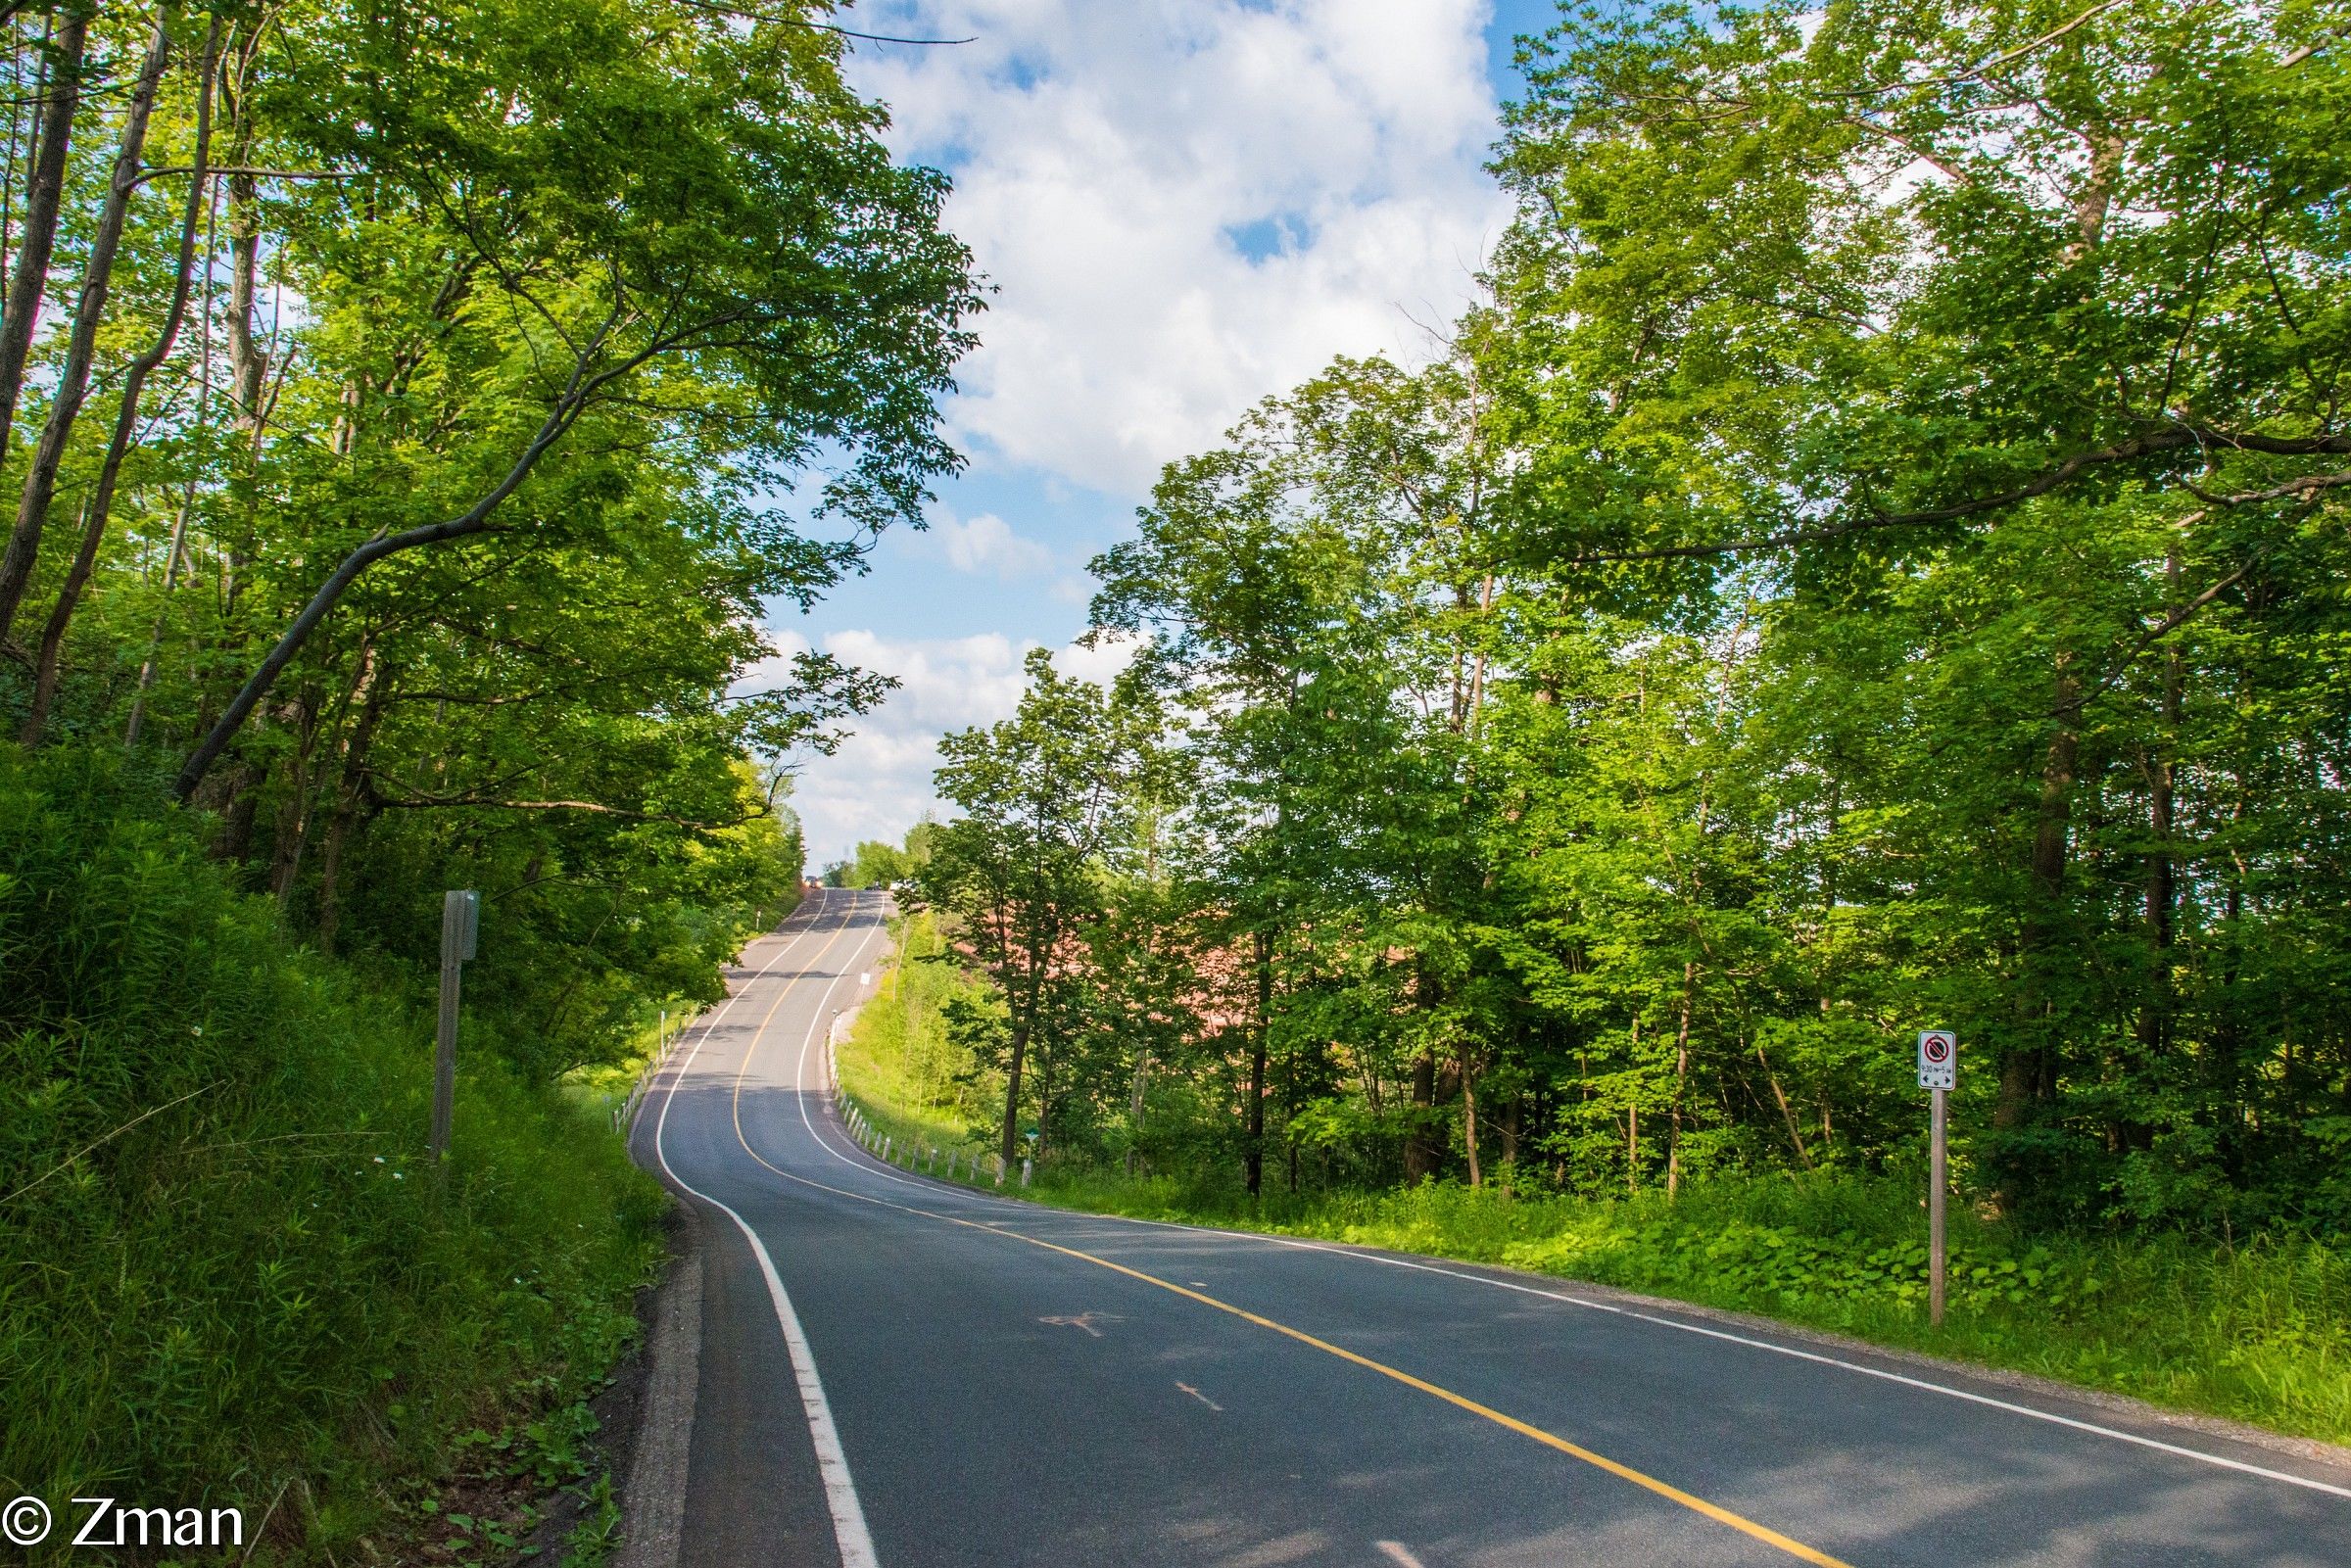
[
  {"x": 897, "y": 1062},
  {"x": 2258, "y": 1332}
]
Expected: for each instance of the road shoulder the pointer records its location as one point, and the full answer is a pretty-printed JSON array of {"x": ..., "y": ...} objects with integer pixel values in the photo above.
[{"x": 651, "y": 1454}]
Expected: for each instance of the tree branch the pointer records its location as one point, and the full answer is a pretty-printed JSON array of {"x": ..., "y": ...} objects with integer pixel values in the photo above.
[
  {"x": 597, "y": 808},
  {"x": 715, "y": 8},
  {"x": 2178, "y": 438},
  {"x": 1989, "y": 65},
  {"x": 567, "y": 409},
  {"x": 2155, "y": 634}
]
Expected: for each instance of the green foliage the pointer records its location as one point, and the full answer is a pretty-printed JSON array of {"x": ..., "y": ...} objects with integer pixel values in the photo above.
[
  {"x": 231, "y": 1274},
  {"x": 909, "y": 1063},
  {"x": 1050, "y": 798},
  {"x": 511, "y": 361},
  {"x": 488, "y": 456},
  {"x": 1875, "y": 563},
  {"x": 875, "y": 864}
]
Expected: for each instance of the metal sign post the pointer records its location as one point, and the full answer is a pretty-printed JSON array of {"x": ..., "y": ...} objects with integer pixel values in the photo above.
[
  {"x": 1938, "y": 1071},
  {"x": 460, "y": 920}
]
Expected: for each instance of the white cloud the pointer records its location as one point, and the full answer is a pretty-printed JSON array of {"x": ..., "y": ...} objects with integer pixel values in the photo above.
[
  {"x": 877, "y": 784},
  {"x": 1184, "y": 206},
  {"x": 1107, "y": 156},
  {"x": 983, "y": 546}
]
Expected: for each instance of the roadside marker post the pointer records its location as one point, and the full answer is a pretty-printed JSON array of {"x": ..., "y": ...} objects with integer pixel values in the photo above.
[
  {"x": 1939, "y": 1073},
  {"x": 460, "y": 924}
]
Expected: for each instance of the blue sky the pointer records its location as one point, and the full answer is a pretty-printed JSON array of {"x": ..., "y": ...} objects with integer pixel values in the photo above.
[{"x": 1183, "y": 205}]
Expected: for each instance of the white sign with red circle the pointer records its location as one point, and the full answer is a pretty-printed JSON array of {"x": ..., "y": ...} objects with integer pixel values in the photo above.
[{"x": 1937, "y": 1059}]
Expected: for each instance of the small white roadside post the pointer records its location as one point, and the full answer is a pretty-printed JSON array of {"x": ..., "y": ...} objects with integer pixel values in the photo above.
[
  {"x": 1938, "y": 1072},
  {"x": 460, "y": 922}
]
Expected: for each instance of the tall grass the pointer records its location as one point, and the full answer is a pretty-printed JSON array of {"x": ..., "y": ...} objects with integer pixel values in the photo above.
[
  {"x": 2259, "y": 1332},
  {"x": 227, "y": 1276},
  {"x": 915, "y": 1085}
]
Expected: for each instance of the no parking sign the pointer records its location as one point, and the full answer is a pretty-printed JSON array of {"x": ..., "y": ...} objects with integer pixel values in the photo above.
[{"x": 1937, "y": 1059}]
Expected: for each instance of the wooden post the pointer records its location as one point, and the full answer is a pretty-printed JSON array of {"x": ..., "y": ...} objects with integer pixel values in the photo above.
[
  {"x": 459, "y": 912},
  {"x": 1936, "y": 1183}
]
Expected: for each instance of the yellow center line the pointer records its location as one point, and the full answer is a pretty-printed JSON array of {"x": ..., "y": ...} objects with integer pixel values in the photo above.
[
  {"x": 1623, "y": 1472},
  {"x": 1600, "y": 1462},
  {"x": 760, "y": 1032}
]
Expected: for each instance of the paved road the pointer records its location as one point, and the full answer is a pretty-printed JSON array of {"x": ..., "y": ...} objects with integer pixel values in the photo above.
[{"x": 899, "y": 1372}]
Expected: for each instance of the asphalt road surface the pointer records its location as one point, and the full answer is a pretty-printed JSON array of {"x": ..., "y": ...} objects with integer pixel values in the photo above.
[{"x": 896, "y": 1371}]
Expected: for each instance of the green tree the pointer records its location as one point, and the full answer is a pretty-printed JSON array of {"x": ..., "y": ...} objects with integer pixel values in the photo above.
[{"x": 1045, "y": 796}]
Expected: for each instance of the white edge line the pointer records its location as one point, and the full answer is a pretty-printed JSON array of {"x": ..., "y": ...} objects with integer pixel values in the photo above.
[
  {"x": 849, "y": 1532},
  {"x": 1808, "y": 1355},
  {"x": 1814, "y": 1356}
]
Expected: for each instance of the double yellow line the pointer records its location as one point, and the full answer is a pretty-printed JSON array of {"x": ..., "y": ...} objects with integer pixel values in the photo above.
[{"x": 1600, "y": 1462}]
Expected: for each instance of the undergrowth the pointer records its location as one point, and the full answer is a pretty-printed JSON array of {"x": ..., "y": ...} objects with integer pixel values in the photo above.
[
  {"x": 228, "y": 1275},
  {"x": 2259, "y": 1332},
  {"x": 898, "y": 1062}
]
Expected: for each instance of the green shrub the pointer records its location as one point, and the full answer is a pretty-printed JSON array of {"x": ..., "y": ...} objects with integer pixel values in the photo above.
[
  {"x": 2259, "y": 1332},
  {"x": 227, "y": 1276}
]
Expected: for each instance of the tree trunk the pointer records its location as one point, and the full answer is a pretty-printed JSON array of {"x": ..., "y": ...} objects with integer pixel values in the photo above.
[
  {"x": 1040, "y": 953},
  {"x": 1253, "y": 1158},
  {"x": 2162, "y": 901},
  {"x": 350, "y": 794},
  {"x": 2029, "y": 1065},
  {"x": 1681, "y": 1080},
  {"x": 1419, "y": 1153},
  {"x": 44, "y": 194},
  {"x": 74, "y": 375},
  {"x": 1134, "y": 1109},
  {"x": 1012, "y": 1096},
  {"x": 173, "y": 559},
  {"x": 1477, "y": 1176},
  {"x": 1786, "y": 1113},
  {"x": 100, "y": 505},
  {"x": 240, "y": 802},
  {"x": 1045, "y": 1107},
  {"x": 247, "y": 363},
  {"x": 293, "y": 832}
]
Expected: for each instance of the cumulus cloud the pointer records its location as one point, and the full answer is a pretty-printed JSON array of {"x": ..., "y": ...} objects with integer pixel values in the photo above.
[
  {"x": 1183, "y": 205},
  {"x": 985, "y": 545},
  {"x": 877, "y": 784},
  {"x": 1189, "y": 203}
]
